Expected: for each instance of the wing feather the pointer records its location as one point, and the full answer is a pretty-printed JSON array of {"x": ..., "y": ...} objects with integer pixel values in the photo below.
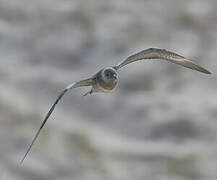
[
  {"x": 86, "y": 82},
  {"x": 154, "y": 53}
]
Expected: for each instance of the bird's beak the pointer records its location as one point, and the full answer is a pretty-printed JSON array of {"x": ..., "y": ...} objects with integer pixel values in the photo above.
[{"x": 114, "y": 76}]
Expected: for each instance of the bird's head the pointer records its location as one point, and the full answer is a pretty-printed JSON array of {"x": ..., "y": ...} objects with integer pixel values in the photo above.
[{"x": 109, "y": 75}]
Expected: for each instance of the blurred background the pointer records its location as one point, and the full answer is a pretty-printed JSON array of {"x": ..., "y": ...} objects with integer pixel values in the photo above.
[{"x": 159, "y": 124}]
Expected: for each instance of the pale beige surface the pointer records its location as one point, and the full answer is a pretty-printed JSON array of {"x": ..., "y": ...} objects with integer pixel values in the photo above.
[{"x": 159, "y": 124}]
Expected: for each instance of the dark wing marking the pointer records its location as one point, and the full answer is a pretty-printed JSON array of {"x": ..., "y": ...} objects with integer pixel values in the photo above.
[
  {"x": 86, "y": 82},
  {"x": 154, "y": 53}
]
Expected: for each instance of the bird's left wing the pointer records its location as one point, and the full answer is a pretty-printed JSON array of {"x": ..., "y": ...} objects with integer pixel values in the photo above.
[
  {"x": 154, "y": 53},
  {"x": 85, "y": 82}
]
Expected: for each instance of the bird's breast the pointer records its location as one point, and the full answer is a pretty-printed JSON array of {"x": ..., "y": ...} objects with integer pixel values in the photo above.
[{"x": 106, "y": 86}]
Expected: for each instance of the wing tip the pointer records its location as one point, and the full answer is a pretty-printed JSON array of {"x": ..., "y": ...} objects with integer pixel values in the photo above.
[
  {"x": 190, "y": 64},
  {"x": 207, "y": 72},
  {"x": 203, "y": 70}
]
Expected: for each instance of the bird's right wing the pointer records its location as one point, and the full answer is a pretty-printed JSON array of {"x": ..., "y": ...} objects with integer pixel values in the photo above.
[
  {"x": 85, "y": 82},
  {"x": 154, "y": 53}
]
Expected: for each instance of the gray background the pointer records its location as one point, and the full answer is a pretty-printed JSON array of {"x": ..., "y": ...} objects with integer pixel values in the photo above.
[{"x": 159, "y": 124}]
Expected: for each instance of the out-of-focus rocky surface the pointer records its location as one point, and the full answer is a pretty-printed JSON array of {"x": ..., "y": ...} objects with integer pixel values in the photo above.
[{"x": 161, "y": 121}]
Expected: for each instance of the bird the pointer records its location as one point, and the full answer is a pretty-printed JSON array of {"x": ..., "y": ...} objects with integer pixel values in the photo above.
[{"x": 106, "y": 79}]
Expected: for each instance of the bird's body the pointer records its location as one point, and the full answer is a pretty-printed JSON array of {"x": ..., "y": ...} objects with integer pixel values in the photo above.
[{"x": 106, "y": 79}]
